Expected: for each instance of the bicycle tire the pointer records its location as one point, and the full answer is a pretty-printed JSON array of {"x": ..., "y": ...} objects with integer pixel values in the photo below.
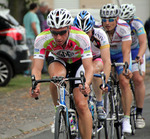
[
  {"x": 133, "y": 120},
  {"x": 110, "y": 121},
  {"x": 106, "y": 123},
  {"x": 61, "y": 124},
  {"x": 133, "y": 110}
]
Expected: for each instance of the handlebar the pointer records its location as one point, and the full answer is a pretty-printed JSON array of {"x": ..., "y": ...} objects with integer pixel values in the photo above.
[
  {"x": 56, "y": 79},
  {"x": 125, "y": 65},
  {"x": 103, "y": 77},
  {"x": 139, "y": 66}
]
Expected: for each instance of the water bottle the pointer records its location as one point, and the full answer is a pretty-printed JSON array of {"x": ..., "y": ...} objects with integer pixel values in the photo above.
[
  {"x": 72, "y": 121},
  {"x": 91, "y": 106}
]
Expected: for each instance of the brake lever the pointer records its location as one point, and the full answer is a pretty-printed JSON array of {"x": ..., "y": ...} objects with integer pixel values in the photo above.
[
  {"x": 34, "y": 84},
  {"x": 126, "y": 67},
  {"x": 83, "y": 80}
]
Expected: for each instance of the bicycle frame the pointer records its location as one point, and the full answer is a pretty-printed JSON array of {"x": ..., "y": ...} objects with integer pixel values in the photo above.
[
  {"x": 61, "y": 109},
  {"x": 116, "y": 111}
]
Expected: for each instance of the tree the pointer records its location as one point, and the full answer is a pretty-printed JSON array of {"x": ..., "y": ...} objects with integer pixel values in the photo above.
[{"x": 18, "y": 8}]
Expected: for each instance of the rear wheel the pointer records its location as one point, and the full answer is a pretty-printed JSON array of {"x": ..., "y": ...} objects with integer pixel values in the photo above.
[
  {"x": 61, "y": 124},
  {"x": 133, "y": 119},
  {"x": 6, "y": 72},
  {"x": 111, "y": 117}
]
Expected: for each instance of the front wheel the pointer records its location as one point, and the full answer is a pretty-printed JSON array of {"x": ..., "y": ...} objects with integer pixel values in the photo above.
[
  {"x": 61, "y": 124},
  {"x": 6, "y": 72}
]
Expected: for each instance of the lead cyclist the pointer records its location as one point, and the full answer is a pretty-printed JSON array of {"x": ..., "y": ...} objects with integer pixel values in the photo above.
[
  {"x": 138, "y": 48},
  {"x": 65, "y": 47}
]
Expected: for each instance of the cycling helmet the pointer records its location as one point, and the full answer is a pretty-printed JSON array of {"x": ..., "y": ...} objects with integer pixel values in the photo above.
[
  {"x": 59, "y": 18},
  {"x": 109, "y": 10},
  {"x": 127, "y": 11},
  {"x": 84, "y": 21}
]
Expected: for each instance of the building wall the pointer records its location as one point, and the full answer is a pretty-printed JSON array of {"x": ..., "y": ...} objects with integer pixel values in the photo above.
[
  {"x": 82, "y": 3},
  {"x": 142, "y": 6},
  {"x": 95, "y": 4}
]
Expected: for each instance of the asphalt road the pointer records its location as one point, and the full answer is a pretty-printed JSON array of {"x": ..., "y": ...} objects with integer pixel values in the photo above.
[
  {"x": 22, "y": 117},
  {"x": 140, "y": 133}
]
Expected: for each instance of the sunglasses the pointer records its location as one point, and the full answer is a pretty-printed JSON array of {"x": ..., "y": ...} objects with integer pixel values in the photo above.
[
  {"x": 128, "y": 21},
  {"x": 110, "y": 19},
  {"x": 55, "y": 33}
]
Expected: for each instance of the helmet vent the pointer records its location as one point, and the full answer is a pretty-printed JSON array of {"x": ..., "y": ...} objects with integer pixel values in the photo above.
[
  {"x": 62, "y": 23},
  {"x": 57, "y": 19}
]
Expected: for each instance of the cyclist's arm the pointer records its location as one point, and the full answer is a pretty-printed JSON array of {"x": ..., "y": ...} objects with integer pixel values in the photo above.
[
  {"x": 105, "y": 55},
  {"x": 37, "y": 68},
  {"x": 143, "y": 44},
  {"x": 126, "y": 49},
  {"x": 87, "y": 64},
  {"x": 33, "y": 25}
]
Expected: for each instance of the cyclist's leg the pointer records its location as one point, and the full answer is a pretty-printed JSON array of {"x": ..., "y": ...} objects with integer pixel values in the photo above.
[
  {"x": 98, "y": 66},
  {"x": 85, "y": 117},
  {"x": 124, "y": 86},
  {"x": 56, "y": 67},
  {"x": 126, "y": 95},
  {"x": 138, "y": 81},
  {"x": 139, "y": 87}
]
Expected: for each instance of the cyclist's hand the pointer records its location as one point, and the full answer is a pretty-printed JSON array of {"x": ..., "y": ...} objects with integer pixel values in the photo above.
[
  {"x": 139, "y": 59},
  {"x": 35, "y": 92},
  {"x": 105, "y": 89},
  {"x": 128, "y": 75},
  {"x": 85, "y": 91}
]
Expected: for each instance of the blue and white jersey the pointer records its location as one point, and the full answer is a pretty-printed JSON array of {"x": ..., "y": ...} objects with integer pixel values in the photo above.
[{"x": 137, "y": 28}]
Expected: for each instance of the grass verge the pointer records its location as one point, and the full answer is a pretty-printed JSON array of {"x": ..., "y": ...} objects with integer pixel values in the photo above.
[{"x": 18, "y": 82}]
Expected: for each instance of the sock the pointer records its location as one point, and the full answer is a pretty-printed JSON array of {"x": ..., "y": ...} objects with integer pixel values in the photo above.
[
  {"x": 126, "y": 116},
  {"x": 99, "y": 103},
  {"x": 139, "y": 111}
]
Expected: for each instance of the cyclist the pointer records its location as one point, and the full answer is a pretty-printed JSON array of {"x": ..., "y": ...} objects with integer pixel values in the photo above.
[
  {"x": 119, "y": 36},
  {"x": 66, "y": 47},
  {"x": 101, "y": 54},
  {"x": 138, "y": 49}
]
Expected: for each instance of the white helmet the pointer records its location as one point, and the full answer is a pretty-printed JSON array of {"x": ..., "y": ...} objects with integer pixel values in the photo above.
[
  {"x": 59, "y": 18},
  {"x": 127, "y": 11},
  {"x": 109, "y": 10}
]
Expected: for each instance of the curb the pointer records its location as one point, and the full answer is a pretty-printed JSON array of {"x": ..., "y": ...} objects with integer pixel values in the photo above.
[{"x": 26, "y": 129}]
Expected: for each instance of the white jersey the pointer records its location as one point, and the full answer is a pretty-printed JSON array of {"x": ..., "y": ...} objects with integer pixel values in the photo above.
[
  {"x": 99, "y": 40},
  {"x": 122, "y": 33}
]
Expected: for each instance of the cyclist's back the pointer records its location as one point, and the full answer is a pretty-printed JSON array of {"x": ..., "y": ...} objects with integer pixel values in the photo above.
[
  {"x": 99, "y": 40},
  {"x": 137, "y": 28}
]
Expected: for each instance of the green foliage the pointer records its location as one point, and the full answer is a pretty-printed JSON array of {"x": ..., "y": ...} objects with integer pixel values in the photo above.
[
  {"x": 28, "y": 2},
  {"x": 3, "y": 6}
]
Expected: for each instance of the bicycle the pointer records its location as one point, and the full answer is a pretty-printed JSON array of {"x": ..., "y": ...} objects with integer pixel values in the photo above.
[
  {"x": 63, "y": 112},
  {"x": 98, "y": 124},
  {"x": 115, "y": 111}
]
